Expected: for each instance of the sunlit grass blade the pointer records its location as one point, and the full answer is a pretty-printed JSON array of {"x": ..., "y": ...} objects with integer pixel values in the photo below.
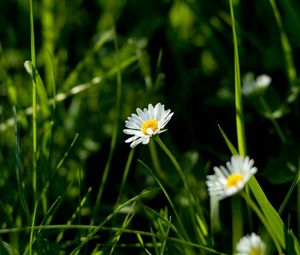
[
  {"x": 240, "y": 127},
  {"x": 34, "y": 102},
  {"x": 237, "y": 229}
]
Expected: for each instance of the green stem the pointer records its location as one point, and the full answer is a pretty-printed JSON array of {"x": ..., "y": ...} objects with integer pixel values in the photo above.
[
  {"x": 174, "y": 161},
  {"x": 237, "y": 223},
  {"x": 238, "y": 96},
  {"x": 260, "y": 215},
  {"x": 273, "y": 120},
  {"x": 34, "y": 100},
  {"x": 156, "y": 164}
]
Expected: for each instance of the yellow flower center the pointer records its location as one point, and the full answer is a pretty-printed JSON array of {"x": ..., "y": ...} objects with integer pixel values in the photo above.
[
  {"x": 256, "y": 251},
  {"x": 152, "y": 124},
  {"x": 232, "y": 180}
]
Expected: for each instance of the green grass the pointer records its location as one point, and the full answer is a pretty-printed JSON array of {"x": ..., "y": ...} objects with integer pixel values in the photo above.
[{"x": 70, "y": 75}]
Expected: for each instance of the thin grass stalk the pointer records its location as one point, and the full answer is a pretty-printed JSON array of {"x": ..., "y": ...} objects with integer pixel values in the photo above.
[
  {"x": 34, "y": 101},
  {"x": 237, "y": 229},
  {"x": 156, "y": 164}
]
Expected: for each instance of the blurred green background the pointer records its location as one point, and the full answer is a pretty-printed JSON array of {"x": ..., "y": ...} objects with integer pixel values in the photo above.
[{"x": 176, "y": 52}]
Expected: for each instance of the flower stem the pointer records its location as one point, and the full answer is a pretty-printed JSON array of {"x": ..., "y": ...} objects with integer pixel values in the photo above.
[
  {"x": 156, "y": 164},
  {"x": 173, "y": 160}
]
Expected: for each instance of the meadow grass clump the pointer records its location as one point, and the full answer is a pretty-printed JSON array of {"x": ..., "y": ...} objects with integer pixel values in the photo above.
[{"x": 114, "y": 116}]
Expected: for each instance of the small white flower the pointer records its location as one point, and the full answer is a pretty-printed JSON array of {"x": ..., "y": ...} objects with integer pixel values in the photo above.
[
  {"x": 228, "y": 181},
  {"x": 146, "y": 123},
  {"x": 250, "y": 245},
  {"x": 258, "y": 85}
]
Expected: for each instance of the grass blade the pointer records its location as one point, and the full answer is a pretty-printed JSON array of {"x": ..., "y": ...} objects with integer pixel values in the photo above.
[
  {"x": 237, "y": 229},
  {"x": 34, "y": 101}
]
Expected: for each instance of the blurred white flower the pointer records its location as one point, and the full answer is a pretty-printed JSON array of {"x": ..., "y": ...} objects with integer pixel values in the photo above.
[
  {"x": 228, "y": 181},
  {"x": 146, "y": 123},
  {"x": 250, "y": 245},
  {"x": 258, "y": 85}
]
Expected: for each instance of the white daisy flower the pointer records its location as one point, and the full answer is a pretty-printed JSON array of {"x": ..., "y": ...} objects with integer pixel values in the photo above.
[
  {"x": 258, "y": 85},
  {"x": 146, "y": 123},
  {"x": 250, "y": 245},
  {"x": 228, "y": 181}
]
